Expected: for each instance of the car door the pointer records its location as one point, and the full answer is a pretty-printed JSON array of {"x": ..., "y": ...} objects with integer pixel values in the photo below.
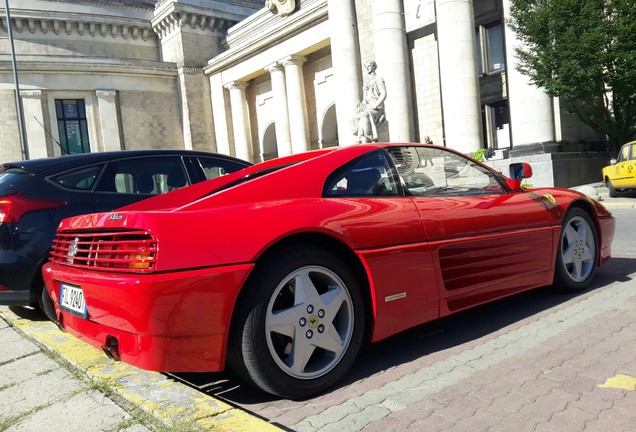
[
  {"x": 486, "y": 241},
  {"x": 129, "y": 180},
  {"x": 625, "y": 167},
  {"x": 373, "y": 214}
]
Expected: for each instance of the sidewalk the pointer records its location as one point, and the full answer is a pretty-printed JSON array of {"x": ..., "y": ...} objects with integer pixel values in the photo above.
[
  {"x": 599, "y": 192},
  {"x": 51, "y": 381}
]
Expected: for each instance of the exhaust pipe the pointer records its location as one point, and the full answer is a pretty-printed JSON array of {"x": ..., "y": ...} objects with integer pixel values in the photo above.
[{"x": 111, "y": 348}]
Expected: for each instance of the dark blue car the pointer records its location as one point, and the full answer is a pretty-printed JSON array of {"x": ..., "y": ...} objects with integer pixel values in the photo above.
[{"x": 35, "y": 195}]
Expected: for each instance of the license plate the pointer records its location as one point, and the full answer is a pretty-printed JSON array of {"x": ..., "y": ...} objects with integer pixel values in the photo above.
[{"x": 72, "y": 300}]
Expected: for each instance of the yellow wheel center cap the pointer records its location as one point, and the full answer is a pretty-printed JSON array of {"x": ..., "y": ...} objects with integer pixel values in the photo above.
[{"x": 313, "y": 321}]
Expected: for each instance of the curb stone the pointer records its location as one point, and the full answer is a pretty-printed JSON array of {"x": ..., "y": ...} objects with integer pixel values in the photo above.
[{"x": 171, "y": 403}]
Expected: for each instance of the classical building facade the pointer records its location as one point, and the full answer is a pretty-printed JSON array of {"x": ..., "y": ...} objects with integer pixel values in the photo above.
[{"x": 259, "y": 79}]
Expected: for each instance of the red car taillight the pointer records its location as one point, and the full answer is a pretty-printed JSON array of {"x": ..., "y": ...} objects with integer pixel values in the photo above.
[
  {"x": 125, "y": 251},
  {"x": 13, "y": 207}
]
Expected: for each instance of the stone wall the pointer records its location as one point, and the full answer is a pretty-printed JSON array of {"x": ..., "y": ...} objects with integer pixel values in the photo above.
[
  {"x": 427, "y": 91},
  {"x": 559, "y": 169},
  {"x": 85, "y": 45},
  {"x": 10, "y": 149},
  {"x": 365, "y": 30},
  {"x": 151, "y": 120}
]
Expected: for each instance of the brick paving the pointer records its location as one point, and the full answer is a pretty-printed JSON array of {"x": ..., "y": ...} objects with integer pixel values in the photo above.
[{"x": 534, "y": 362}]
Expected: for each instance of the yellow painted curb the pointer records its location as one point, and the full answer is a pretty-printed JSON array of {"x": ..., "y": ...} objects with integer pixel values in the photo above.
[{"x": 171, "y": 402}]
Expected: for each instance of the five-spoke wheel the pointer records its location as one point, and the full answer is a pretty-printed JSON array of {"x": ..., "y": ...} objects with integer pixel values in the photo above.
[
  {"x": 309, "y": 322},
  {"x": 300, "y": 323},
  {"x": 577, "y": 253}
]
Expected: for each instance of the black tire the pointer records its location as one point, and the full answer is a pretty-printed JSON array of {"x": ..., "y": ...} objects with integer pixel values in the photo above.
[
  {"x": 322, "y": 321},
  {"x": 577, "y": 252},
  {"x": 46, "y": 304},
  {"x": 612, "y": 189}
]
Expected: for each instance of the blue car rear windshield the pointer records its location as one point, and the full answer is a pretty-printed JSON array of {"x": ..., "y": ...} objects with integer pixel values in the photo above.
[{"x": 250, "y": 176}]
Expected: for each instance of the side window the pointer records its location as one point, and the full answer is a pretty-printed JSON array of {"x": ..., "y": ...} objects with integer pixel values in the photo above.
[
  {"x": 146, "y": 176},
  {"x": 214, "y": 167},
  {"x": 633, "y": 155},
  {"x": 81, "y": 179},
  {"x": 624, "y": 155},
  {"x": 427, "y": 171},
  {"x": 369, "y": 176}
]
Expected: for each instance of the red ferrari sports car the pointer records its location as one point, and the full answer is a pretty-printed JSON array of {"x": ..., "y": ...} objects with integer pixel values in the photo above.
[{"x": 283, "y": 270}]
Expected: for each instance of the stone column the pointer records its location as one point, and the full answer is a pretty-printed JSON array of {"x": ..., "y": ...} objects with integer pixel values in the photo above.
[
  {"x": 531, "y": 114},
  {"x": 393, "y": 65},
  {"x": 345, "y": 57},
  {"x": 240, "y": 120},
  {"x": 108, "y": 119},
  {"x": 35, "y": 123},
  {"x": 458, "y": 74},
  {"x": 219, "y": 114},
  {"x": 298, "y": 124},
  {"x": 186, "y": 113},
  {"x": 283, "y": 134}
]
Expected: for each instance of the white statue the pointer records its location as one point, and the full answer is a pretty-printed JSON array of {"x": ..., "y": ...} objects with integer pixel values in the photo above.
[{"x": 369, "y": 115}]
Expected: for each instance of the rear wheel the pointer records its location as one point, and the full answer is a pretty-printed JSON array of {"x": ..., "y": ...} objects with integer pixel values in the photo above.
[
  {"x": 299, "y": 324},
  {"x": 577, "y": 252},
  {"x": 612, "y": 189}
]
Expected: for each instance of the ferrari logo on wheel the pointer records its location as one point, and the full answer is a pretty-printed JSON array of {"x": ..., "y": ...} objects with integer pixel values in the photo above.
[{"x": 313, "y": 321}]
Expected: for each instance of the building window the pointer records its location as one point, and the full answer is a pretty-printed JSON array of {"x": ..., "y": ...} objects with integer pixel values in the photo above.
[
  {"x": 496, "y": 125},
  {"x": 71, "y": 123},
  {"x": 490, "y": 49}
]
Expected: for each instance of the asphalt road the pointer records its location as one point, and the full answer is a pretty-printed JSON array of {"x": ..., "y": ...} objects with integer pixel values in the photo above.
[{"x": 625, "y": 239}]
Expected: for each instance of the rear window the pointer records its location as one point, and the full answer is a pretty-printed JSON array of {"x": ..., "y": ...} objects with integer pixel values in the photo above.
[
  {"x": 250, "y": 176},
  {"x": 81, "y": 179},
  {"x": 216, "y": 167}
]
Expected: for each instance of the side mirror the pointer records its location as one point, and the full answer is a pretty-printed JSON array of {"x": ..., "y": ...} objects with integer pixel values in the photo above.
[
  {"x": 518, "y": 171},
  {"x": 613, "y": 161}
]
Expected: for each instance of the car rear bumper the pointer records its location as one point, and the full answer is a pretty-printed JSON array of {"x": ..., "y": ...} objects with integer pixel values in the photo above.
[{"x": 176, "y": 322}]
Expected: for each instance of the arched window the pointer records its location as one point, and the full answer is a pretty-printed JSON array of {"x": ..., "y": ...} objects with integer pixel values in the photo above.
[
  {"x": 268, "y": 144},
  {"x": 329, "y": 128}
]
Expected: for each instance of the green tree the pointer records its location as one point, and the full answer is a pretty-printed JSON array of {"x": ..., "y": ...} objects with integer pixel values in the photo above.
[{"x": 585, "y": 52}]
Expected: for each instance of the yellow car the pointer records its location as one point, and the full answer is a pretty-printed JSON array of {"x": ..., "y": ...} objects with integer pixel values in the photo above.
[{"x": 621, "y": 174}]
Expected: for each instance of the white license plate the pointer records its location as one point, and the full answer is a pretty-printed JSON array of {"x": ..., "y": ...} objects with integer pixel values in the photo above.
[{"x": 72, "y": 300}]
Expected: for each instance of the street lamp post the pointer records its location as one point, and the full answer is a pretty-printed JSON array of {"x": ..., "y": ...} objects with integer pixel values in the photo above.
[{"x": 18, "y": 100}]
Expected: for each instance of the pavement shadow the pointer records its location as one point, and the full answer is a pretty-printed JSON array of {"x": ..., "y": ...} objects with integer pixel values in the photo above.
[
  {"x": 625, "y": 194},
  {"x": 29, "y": 313},
  {"x": 427, "y": 338}
]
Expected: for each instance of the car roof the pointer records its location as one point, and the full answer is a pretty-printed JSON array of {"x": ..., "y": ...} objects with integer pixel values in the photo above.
[{"x": 35, "y": 166}]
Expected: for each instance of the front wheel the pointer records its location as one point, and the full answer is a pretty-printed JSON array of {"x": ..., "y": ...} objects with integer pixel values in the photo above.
[
  {"x": 299, "y": 324},
  {"x": 612, "y": 189},
  {"x": 577, "y": 252}
]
